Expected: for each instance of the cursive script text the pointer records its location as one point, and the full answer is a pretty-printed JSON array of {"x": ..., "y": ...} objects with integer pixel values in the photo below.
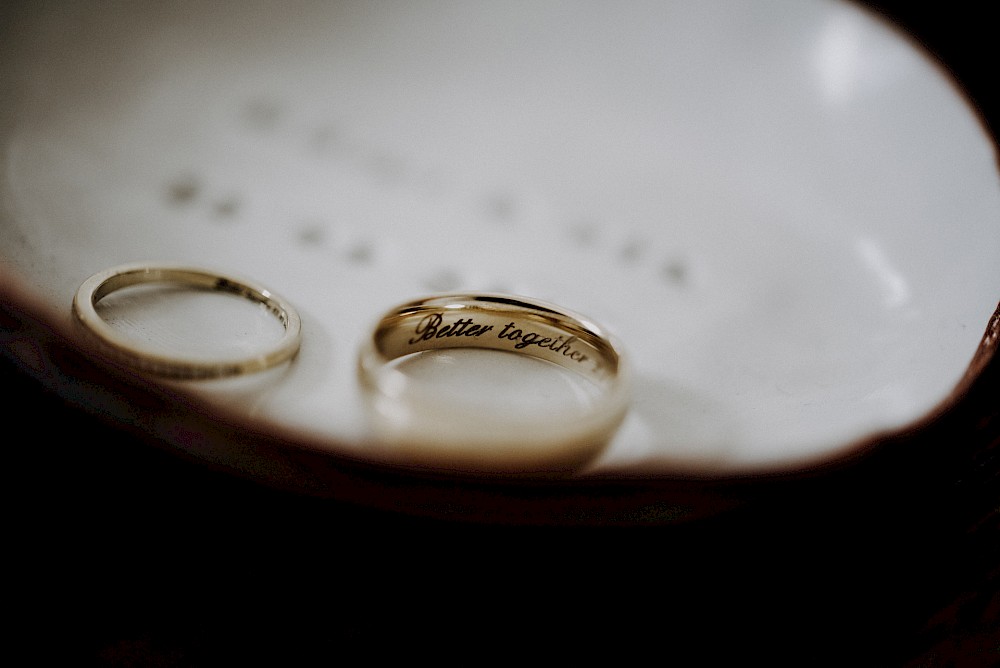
[{"x": 430, "y": 327}]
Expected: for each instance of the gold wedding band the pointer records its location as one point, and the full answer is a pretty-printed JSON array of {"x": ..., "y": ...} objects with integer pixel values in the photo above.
[
  {"x": 127, "y": 351},
  {"x": 421, "y": 424}
]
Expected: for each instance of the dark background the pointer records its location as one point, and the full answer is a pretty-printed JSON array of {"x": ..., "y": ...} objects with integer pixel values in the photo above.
[{"x": 120, "y": 553}]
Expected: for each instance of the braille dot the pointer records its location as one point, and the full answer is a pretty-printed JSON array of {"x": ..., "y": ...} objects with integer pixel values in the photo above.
[
  {"x": 183, "y": 190},
  {"x": 226, "y": 208},
  {"x": 361, "y": 253},
  {"x": 583, "y": 234},
  {"x": 444, "y": 280},
  {"x": 500, "y": 208},
  {"x": 675, "y": 271},
  {"x": 631, "y": 252},
  {"x": 312, "y": 235},
  {"x": 323, "y": 140},
  {"x": 386, "y": 168},
  {"x": 262, "y": 114}
]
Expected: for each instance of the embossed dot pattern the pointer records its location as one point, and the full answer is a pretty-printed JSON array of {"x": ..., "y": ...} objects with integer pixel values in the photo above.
[{"x": 262, "y": 116}]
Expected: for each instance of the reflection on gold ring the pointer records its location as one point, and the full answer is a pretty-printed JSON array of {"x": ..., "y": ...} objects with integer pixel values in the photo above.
[
  {"x": 125, "y": 350},
  {"x": 446, "y": 434}
]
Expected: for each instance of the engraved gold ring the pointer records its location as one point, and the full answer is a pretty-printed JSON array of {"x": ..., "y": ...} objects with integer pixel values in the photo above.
[
  {"x": 127, "y": 351},
  {"x": 415, "y": 420}
]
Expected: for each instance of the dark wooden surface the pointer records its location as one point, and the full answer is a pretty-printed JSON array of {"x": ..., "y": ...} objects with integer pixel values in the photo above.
[{"x": 121, "y": 554}]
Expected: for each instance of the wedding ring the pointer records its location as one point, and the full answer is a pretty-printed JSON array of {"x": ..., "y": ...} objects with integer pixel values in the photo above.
[
  {"x": 127, "y": 351},
  {"x": 447, "y": 429}
]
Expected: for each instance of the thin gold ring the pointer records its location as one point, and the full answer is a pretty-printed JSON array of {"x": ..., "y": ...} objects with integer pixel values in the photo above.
[
  {"x": 417, "y": 422},
  {"x": 127, "y": 351}
]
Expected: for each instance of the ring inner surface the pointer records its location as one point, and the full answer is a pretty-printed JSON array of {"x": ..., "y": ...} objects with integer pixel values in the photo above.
[
  {"x": 545, "y": 335},
  {"x": 191, "y": 279}
]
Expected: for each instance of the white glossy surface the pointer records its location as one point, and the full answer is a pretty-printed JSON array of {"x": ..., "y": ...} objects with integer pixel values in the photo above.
[{"x": 786, "y": 212}]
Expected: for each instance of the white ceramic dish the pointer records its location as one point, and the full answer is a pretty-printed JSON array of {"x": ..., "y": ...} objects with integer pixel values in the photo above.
[{"x": 785, "y": 210}]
